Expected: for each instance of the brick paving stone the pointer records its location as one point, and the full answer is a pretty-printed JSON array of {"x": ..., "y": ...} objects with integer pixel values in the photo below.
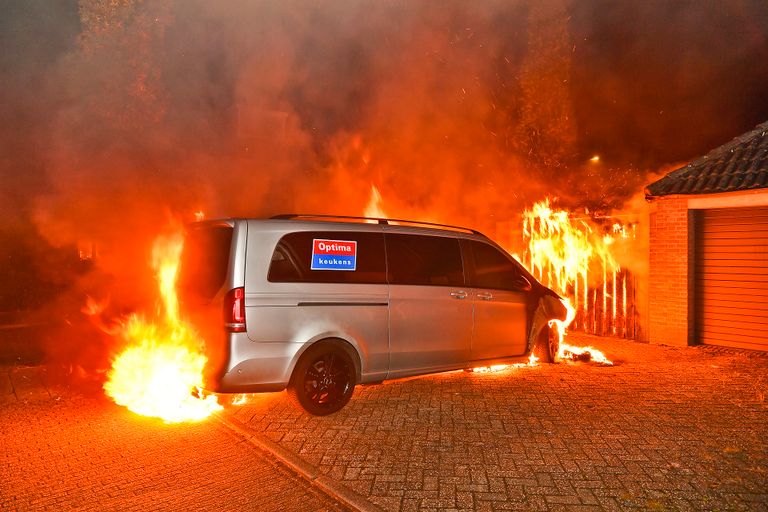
[
  {"x": 75, "y": 452},
  {"x": 666, "y": 428}
]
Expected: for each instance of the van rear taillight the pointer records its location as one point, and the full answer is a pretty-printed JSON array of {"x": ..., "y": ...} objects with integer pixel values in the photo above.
[{"x": 234, "y": 310}]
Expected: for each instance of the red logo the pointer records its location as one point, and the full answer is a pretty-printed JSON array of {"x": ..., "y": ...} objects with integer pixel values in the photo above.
[{"x": 334, "y": 247}]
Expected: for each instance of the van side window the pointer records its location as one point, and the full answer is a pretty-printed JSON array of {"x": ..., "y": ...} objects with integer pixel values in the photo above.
[
  {"x": 493, "y": 268},
  {"x": 292, "y": 260},
  {"x": 424, "y": 260}
]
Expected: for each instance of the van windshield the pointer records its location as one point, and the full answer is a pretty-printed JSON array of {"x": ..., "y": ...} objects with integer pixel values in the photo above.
[{"x": 204, "y": 262}]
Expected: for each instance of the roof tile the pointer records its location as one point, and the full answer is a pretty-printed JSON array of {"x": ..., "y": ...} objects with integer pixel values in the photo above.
[{"x": 741, "y": 164}]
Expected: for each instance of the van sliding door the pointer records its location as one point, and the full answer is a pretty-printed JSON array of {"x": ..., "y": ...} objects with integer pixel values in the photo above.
[{"x": 430, "y": 315}]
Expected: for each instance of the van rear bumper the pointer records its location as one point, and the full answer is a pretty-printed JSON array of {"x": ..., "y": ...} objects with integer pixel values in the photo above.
[{"x": 255, "y": 366}]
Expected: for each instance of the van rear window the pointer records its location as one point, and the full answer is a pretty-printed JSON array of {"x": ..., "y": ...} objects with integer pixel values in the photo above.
[
  {"x": 204, "y": 262},
  {"x": 328, "y": 257}
]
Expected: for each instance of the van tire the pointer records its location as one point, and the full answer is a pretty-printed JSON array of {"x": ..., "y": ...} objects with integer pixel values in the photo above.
[
  {"x": 549, "y": 344},
  {"x": 323, "y": 380}
]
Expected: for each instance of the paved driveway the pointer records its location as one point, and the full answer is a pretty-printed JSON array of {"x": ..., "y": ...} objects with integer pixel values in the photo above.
[
  {"x": 663, "y": 429},
  {"x": 61, "y": 451}
]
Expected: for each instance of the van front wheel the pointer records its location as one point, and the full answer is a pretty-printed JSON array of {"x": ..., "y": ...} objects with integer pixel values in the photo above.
[
  {"x": 323, "y": 380},
  {"x": 549, "y": 344}
]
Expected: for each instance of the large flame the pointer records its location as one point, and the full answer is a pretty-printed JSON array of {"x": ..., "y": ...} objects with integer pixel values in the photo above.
[
  {"x": 570, "y": 255},
  {"x": 163, "y": 362},
  {"x": 561, "y": 250}
]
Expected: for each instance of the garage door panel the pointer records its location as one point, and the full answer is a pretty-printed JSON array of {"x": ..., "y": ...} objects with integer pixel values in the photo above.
[
  {"x": 738, "y": 301},
  {"x": 731, "y": 277},
  {"x": 714, "y": 267},
  {"x": 755, "y": 237},
  {"x": 737, "y": 287},
  {"x": 733, "y": 295},
  {"x": 733, "y": 247},
  {"x": 741, "y": 277},
  {"x": 729, "y": 341},
  {"x": 737, "y": 213},
  {"x": 722, "y": 265},
  {"x": 724, "y": 307},
  {"x": 736, "y": 222},
  {"x": 727, "y": 220},
  {"x": 730, "y": 317},
  {"x": 733, "y": 243},
  {"x": 746, "y": 256},
  {"x": 736, "y": 335},
  {"x": 752, "y": 229},
  {"x": 745, "y": 328}
]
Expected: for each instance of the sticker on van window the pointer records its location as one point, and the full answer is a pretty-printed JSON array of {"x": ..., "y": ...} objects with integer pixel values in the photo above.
[{"x": 334, "y": 254}]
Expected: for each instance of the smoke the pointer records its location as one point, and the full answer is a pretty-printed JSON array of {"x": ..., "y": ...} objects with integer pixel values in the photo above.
[
  {"x": 664, "y": 81},
  {"x": 120, "y": 115},
  {"x": 464, "y": 113}
]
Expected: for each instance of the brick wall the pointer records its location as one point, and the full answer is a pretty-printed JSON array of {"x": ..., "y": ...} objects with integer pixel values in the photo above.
[{"x": 669, "y": 284}]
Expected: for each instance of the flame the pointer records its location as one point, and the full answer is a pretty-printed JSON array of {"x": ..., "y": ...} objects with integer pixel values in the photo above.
[
  {"x": 565, "y": 252},
  {"x": 163, "y": 362},
  {"x": 561, "y": 249},
  {"x": 489, "y": 369},
  {"x": 240, "y": 399},
  {"x": 532, "y": 361},
  {"x": 374, "y": 207},
  {"x": 568, "y": 255},
  {"x": 572, "y": 352},
  {"x": 94, "y": 307}
]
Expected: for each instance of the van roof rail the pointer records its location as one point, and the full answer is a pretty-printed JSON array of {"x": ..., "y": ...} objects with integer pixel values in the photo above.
[{"x": 379, "y": 220}]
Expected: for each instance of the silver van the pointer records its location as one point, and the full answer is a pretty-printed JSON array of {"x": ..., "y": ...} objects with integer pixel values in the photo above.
[{"x": 319, "y": 304}]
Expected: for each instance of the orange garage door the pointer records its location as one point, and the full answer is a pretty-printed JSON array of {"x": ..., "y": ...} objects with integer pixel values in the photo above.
[{"x": 731, "y": 277}]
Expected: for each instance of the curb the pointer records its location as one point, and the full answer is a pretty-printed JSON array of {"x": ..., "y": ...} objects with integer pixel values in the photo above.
[{"x": 329, "y": 486}]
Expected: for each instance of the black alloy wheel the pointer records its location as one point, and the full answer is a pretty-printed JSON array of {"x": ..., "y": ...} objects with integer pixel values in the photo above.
[{"x": 323, "y": 380}]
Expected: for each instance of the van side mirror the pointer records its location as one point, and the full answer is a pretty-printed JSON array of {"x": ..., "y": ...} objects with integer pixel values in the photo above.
[{"x": 522, "y": 284}]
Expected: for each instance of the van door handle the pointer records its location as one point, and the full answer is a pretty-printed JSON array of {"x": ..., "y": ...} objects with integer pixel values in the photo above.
[
  {"x": 461, "y": 294},
  {"x": 485, "y": 296}
]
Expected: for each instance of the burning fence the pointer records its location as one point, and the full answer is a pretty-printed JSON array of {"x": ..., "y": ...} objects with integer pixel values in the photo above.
[{"x": 576, "y": 256}]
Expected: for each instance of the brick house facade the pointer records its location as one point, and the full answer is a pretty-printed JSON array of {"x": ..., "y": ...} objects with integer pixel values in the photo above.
[{"x": 708, "y": 259}]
